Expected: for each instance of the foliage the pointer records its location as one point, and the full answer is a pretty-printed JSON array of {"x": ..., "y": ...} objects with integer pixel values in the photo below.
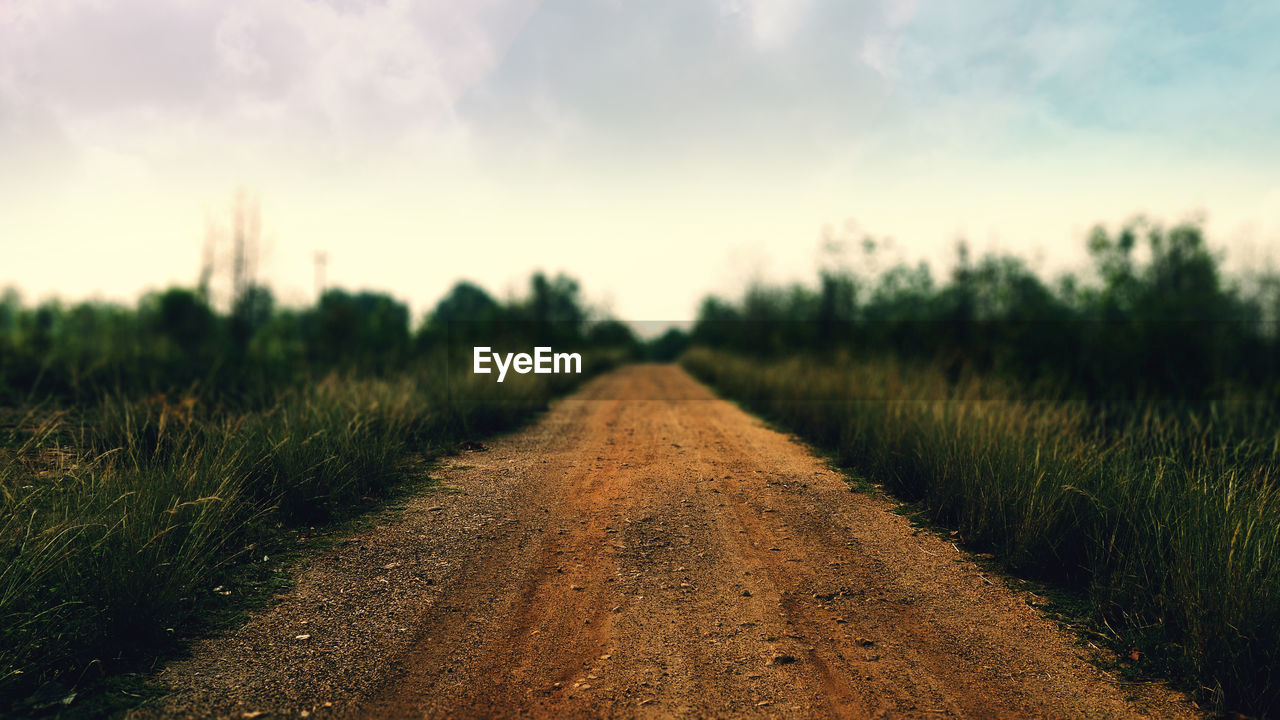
[
  {"x": 1170, "y": 525},
  {"x": 1117, "y": 434},
  {"x": 145, "y": 452},
  {"x": 1164, "y": 325},
  {"x": 668, "y": 346},
  {"x": 174, "y": 340}
]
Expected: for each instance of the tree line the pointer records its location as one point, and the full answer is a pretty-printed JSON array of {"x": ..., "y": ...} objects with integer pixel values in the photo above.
[
  {"x": 176, "y": 338},
  {"x": 1155, "y": 316}
]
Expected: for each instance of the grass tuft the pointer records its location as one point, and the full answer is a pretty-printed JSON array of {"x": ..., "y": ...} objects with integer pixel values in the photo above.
[
  {"x": 1168, "y": 522},
  {"x": 119, "y": 528}
]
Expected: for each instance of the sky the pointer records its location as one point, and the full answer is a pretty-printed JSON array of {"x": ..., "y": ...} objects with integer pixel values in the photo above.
[{"x": 657, "y": 150}]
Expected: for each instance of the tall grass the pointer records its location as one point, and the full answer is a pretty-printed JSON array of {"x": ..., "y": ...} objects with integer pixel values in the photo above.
[
  {"x": 1169, "y": 522},
  {"x": 116, "y": 524}
]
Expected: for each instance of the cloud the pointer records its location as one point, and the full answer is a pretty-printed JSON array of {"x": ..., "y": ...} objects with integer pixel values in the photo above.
[
  {"x": 898, "y": 13},
  {"x": 228, "y": 87},
  {"x": 774, "y": 23},
  {"x": 173, "y": 80},
  {"x": 602, "y": 84}
]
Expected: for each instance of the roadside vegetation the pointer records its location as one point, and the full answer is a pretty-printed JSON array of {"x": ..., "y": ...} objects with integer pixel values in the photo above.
[
  {"x": 149, "y": 453},
  {"x": 1116, "y": 435}
]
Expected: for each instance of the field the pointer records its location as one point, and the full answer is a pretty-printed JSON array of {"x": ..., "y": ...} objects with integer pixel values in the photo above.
[
  {"x": 145, "y": 466},
  {"x": 1114, "y": 433},
  {"x": 1168, "y": 525},
  {"x": 1090, "y": 471}
]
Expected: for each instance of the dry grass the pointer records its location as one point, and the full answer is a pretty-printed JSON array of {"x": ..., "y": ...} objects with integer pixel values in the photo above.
[
  {"x": 116, "y": 526},
  {"x": 1169, "y": 522}
]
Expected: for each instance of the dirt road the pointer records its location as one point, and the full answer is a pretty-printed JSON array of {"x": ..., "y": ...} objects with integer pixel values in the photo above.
[{"x": 647, "y": 550}]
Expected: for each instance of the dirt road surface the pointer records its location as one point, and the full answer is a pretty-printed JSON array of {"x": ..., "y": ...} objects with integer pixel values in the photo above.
[{"x": 648, "y": 550}]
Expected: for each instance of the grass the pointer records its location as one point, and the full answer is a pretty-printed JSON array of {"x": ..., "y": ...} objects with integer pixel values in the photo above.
[
  {"x": 120, "y": 524},
  {"x": 1166, "y": 521}
]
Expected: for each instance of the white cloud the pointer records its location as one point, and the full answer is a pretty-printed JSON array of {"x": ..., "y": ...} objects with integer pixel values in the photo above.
[
  {"x": 774, "y": 23},
  {"x": 898, "y": 13},
  {"x": 877, "y": 54},
  {"x": 140, "y": 77}
]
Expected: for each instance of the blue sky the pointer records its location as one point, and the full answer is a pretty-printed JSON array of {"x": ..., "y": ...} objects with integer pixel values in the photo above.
[
  {"x": 658, "y": 150},
  {"x": 1192, "y": 72}
]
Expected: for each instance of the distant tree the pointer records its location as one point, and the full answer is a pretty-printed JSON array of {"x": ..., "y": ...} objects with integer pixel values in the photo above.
[
  {"x": 719, "y": 324},
  {"x": 184, "y": 318},
  {"x": 368, "y": 329},
  {"x": 1162, "y": 322},
  {"x": 10, "y": 309},
  {"x": 612, "y": 333},
  {"x": 250, "y": 313},
  {"x": 464, "y": 314},
  {"x": 837, "y": 305},
  {"x": 554, "y": 308},
  {"x": 669, "y": 345}
]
